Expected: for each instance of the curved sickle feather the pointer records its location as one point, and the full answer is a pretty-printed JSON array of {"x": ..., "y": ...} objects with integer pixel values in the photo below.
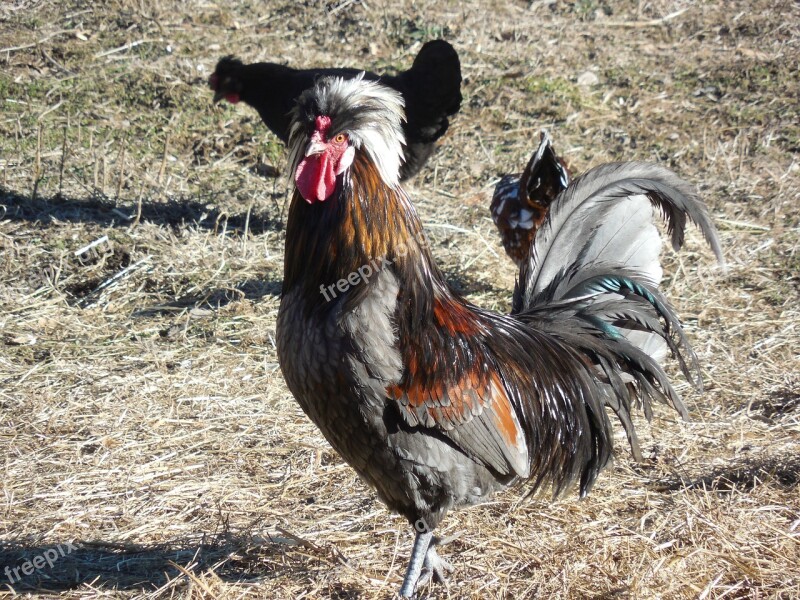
[{"x": 578, "y": 230}]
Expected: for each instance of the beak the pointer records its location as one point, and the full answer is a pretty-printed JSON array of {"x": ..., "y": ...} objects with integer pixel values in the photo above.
[
  {"x": 315, "y": 147},
  {"x": 213, "y": 83}
]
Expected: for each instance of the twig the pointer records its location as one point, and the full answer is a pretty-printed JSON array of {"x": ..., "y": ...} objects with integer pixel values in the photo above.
[
  {"x": 105, "y": 173},
  {"x": 341, "y": 6},
  {"x": 298, "y": 539},
  {"x": 49, "y": 110},
  {"x": 44, "y": 39},
  {"x": 96, "y": 165},
  {"x": 742, "y": 225},
  {"x": 97, "y": 242},
  {"x": 55, "y": 63},
  {"x": 37, "y": 172},
  {"x": 122, "y": 215},
  {"x": 121, "y": 166},
  {"x": 113, "y": 280},
  {"x": 163, "y": 167},
  {"x": 63, "y": 160},
  {"x": 138, "y": 216},
  {"x": 186, "y": 571},
  {"x": 246, "y": 228},
  {"x": 650, "y": 23},
  {"x": 127, "y": 46}
]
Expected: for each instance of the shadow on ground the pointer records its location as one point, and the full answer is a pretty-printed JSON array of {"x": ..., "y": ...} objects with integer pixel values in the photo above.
[
  {"x": 742, "y": 475},
  {"x": 133, "y": 567},
  {"x": 109, "y": 213},
  {"x": 216, "y": 298}
]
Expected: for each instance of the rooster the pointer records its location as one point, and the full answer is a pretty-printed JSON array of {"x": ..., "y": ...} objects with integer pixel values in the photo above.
[
  {"x": 437, "y": 403},
  {"x": 431, "y": 89},
  {"x": 520, "y": 202}
]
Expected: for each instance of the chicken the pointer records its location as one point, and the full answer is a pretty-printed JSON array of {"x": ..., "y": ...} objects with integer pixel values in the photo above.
[
  {"x": 437, "y": 403},
  {"x": 431, "y": 89},
  {"x": 520, "y": 202}
]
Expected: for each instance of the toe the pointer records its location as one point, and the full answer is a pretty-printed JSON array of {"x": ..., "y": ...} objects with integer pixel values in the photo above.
[{"x": 436, "y": 566}]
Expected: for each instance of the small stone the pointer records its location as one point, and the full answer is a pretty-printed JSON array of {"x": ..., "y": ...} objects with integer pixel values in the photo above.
[{"x": 588, "y": 79}]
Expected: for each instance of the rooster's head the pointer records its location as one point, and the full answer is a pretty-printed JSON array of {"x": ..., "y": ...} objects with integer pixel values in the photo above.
[
  {"x": 225, "y": 80},
  {"x": 333, "y": 122}
]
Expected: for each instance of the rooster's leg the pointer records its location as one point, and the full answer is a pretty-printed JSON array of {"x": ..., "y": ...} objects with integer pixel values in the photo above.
[
  {"x": 425, "y": 564},
  {"x": 418, "y": 558}
]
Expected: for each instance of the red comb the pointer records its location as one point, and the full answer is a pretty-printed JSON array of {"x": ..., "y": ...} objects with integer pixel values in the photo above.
[{"x": 323, "y": 123}]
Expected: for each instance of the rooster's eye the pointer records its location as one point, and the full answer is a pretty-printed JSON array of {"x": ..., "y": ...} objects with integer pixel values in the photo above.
[{"x": 340, "y": 138}]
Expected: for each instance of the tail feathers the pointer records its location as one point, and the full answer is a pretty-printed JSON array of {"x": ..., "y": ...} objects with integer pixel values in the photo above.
[
  {"x": 432, "y": 91},
  {"x": 626, "y": 375},
  {"x": 606, "y": 217},
  {"x": 596, "y": 294},
  {"x": 639, "y": 301},
  {"x": 621, "y": 304},
  {"x": 591, "y": 281},
  {"x": 598, "y": 254}
]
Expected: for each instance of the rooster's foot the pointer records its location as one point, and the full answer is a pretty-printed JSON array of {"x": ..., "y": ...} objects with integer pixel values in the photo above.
[{"x": 435, "y": 567}]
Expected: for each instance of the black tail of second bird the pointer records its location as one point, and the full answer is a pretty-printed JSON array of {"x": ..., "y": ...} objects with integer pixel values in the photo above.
[{"x": 432, "y": 91}]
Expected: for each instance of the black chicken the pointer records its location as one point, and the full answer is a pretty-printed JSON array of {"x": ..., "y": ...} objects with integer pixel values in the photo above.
[
  {"x": 435, "y": 402},
  {"x": 431, "y": 89}
]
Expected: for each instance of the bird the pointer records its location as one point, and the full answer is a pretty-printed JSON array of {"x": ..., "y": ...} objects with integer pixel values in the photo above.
[
  {"x": 437, "y": 403},
  {"x": 431, "y": 89},
  {"x": 520, "y": 202}
]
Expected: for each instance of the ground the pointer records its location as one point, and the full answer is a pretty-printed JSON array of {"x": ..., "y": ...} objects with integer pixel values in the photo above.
[{"x": 147, "y": 434}]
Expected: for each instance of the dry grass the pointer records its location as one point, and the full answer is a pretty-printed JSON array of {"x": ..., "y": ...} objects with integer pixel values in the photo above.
[{"x": 143, "y": 416}]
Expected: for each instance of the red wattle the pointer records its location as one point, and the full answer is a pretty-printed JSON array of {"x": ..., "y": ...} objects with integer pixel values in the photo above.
[{"x": 315, "y": 177}]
